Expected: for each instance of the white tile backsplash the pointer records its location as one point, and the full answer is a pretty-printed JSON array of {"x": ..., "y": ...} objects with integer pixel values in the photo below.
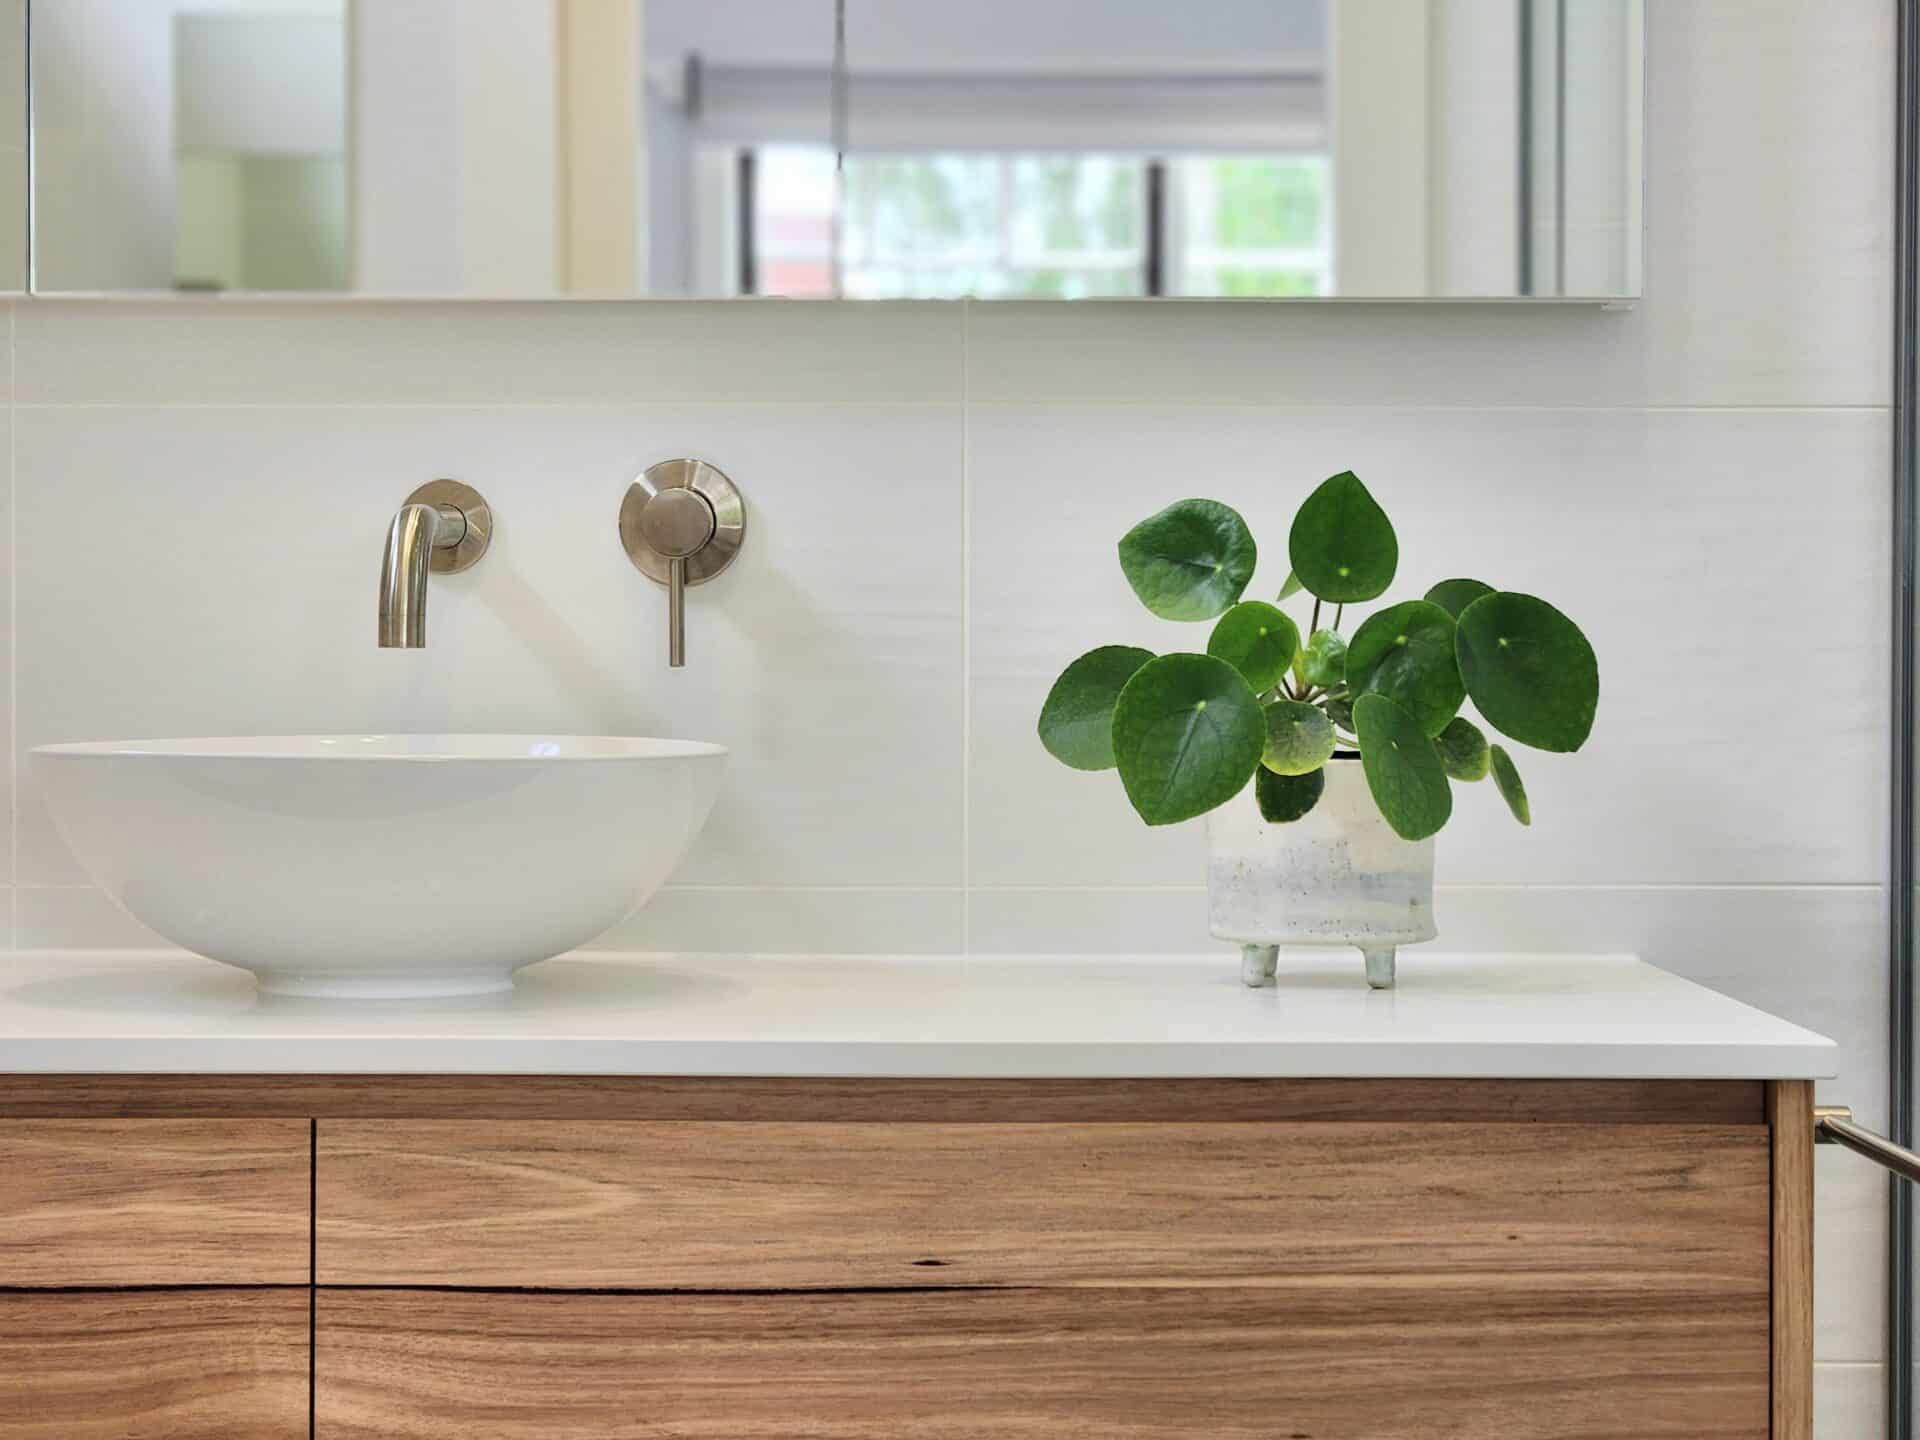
[
  {"x": 199, "y": 489},
  {"x": 849, "y": 921},
  {"x": 1849, "y": 1402},
  {"x": 130, "y": 352}
]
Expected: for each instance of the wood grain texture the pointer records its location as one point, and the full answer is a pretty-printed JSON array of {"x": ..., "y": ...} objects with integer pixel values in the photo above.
[
  {"x": 154, "y": 1202},
  {"x": 1790, "y": 1111},
  {"x": 629, "y": 1097},
  {"x": 154, "y": 1365},
  {"x": 755, "y": 1205},
  {"x": 1408, "y": 1359}
]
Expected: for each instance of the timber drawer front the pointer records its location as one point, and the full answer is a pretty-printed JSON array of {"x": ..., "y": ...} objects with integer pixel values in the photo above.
[
  {"x": 755, "y": 1204},
  {"x": 1497, "y": 1266},
  {"x": 154, "y": 1202},
  {"x": 154, "y": 1278},
  {"x": 598, "y": 1258}
]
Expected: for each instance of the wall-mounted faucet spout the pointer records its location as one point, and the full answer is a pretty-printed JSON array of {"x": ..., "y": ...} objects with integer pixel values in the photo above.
[
  {"x": 444, "y": 526},
  {"x": 417, "y": 531}
]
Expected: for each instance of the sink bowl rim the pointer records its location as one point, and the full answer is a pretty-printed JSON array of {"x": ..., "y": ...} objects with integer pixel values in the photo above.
[{"x": 396, "y": 747}]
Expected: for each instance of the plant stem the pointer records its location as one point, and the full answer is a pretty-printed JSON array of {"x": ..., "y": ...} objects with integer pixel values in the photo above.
[
  {"x": 1338, "y": 611},
  {"x": 1315, "y": 624}
]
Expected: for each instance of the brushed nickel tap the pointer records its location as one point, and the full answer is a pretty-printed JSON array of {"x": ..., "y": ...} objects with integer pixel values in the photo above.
[
  {"x": 444, "y": 526},
  {"x": 681, "y": 524}
]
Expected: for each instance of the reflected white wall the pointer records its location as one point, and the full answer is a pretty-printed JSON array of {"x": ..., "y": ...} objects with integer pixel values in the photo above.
[
  {"x": 1473, "y": 245},
  {"x": 103, "y": 124},
  {"x": 454, "y": 144},
  {"x": 13, "y": 145}
]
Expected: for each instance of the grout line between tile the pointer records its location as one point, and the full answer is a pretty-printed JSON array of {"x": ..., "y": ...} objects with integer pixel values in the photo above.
[
  {"x": 13, "y": 632},
  {"x": 823, "y": 402},
  {"x": 966, "y": 633},
  {"x": 1069, "y": 402},
  {"x": 1510, "y": 887},
  {"x": 1299, "y": 407}
]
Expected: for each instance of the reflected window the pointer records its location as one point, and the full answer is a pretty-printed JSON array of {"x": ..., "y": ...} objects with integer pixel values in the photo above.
[
  {"x": 1252, "y": 225},
  {"x": 999, "y": 225}
]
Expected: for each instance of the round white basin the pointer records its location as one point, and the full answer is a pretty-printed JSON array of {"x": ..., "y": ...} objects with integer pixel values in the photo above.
[{"x": 389, "y": 866}]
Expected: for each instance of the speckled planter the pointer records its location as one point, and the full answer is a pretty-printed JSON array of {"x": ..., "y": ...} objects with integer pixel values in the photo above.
[{"x": 1338, "y": 876}]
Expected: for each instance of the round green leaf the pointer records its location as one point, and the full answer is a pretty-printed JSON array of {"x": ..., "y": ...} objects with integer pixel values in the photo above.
[
  {"x": 1076, "y": 723},
  {"x": 1530, "y": 671},
  {"x": 1257, "y": 640},
  {"x": 1299, "y": 738},
  {"x": 1189, "y": 562},
  {"x": 1403, "y": 769},
  {"x": 1342, "y": 545},
  {"x": 1463, "y": 750},
  {"x": 1405, "y": 652},
  {"x": 1324, "y": 661},
  {"x": 1507, "y": 780},
  {"x": 1340, "y": 712},
  {"x": 1285, "y": 798},
  {"x": 1453, "y": 596},
  {"x": 1188, "y": 735},
  {"x": 1291, "y": 588}
]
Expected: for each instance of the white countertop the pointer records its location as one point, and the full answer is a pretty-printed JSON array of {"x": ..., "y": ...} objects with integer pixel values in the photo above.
[{"x": 1485, "y": 1016}]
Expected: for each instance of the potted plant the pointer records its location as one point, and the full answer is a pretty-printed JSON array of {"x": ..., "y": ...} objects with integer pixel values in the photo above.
[{"x": 1325, "y": 762}]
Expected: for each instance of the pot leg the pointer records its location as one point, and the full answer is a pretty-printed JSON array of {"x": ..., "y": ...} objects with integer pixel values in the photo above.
[
  {"x": 1257, "y": 965},
  {"x": 1379, "y": 967}
]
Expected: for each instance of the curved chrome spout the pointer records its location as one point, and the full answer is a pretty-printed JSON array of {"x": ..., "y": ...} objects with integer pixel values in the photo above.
[{"x": 417, "y": 531}]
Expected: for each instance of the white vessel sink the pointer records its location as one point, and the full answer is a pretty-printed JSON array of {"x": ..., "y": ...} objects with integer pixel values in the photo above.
[{"x": 380, "y": 865}]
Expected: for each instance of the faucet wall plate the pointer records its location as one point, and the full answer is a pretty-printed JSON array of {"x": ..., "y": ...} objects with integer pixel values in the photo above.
[
  {"x": 729, "y": 520},
  {"x": 465, "y": 499}
]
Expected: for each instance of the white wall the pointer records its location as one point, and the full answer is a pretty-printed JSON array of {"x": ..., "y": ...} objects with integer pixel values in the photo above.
[{"x": 936, "y": 490}]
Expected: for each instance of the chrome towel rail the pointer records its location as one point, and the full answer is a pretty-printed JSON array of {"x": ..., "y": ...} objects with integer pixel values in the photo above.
[{"x": 1833, "y": 1125}]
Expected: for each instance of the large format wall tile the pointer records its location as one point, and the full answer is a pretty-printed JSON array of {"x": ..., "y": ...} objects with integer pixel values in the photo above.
[
  {"x": 842, "y": 921},
  {"x": 1729, "y": 566},
  {"x": 243, "y": 600},
  {"x": 1849, "y": 1402},
  {"x": 7, "y": 783},
  {"x": 1768, "y": 263},
  {"x": 680, "y": 918},
  {"x": 427, "y": 352}
]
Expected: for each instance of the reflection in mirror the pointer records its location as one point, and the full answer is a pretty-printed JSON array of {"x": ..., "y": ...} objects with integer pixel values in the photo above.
[
  {"x": 862, "y": 149},
  {"x": 13, "y": 146}
]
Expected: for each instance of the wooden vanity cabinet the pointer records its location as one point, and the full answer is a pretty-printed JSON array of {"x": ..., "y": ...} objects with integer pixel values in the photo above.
[
  {"x": 154, "y": 1276},
  {"x": 498, "y": 1258}
]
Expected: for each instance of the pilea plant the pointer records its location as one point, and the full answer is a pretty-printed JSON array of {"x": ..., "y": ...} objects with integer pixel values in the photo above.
[{"x": 1187, "y": 731}]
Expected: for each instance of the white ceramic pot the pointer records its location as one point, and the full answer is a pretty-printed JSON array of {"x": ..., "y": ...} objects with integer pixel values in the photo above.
[{"x": 1337, "y": 876}]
